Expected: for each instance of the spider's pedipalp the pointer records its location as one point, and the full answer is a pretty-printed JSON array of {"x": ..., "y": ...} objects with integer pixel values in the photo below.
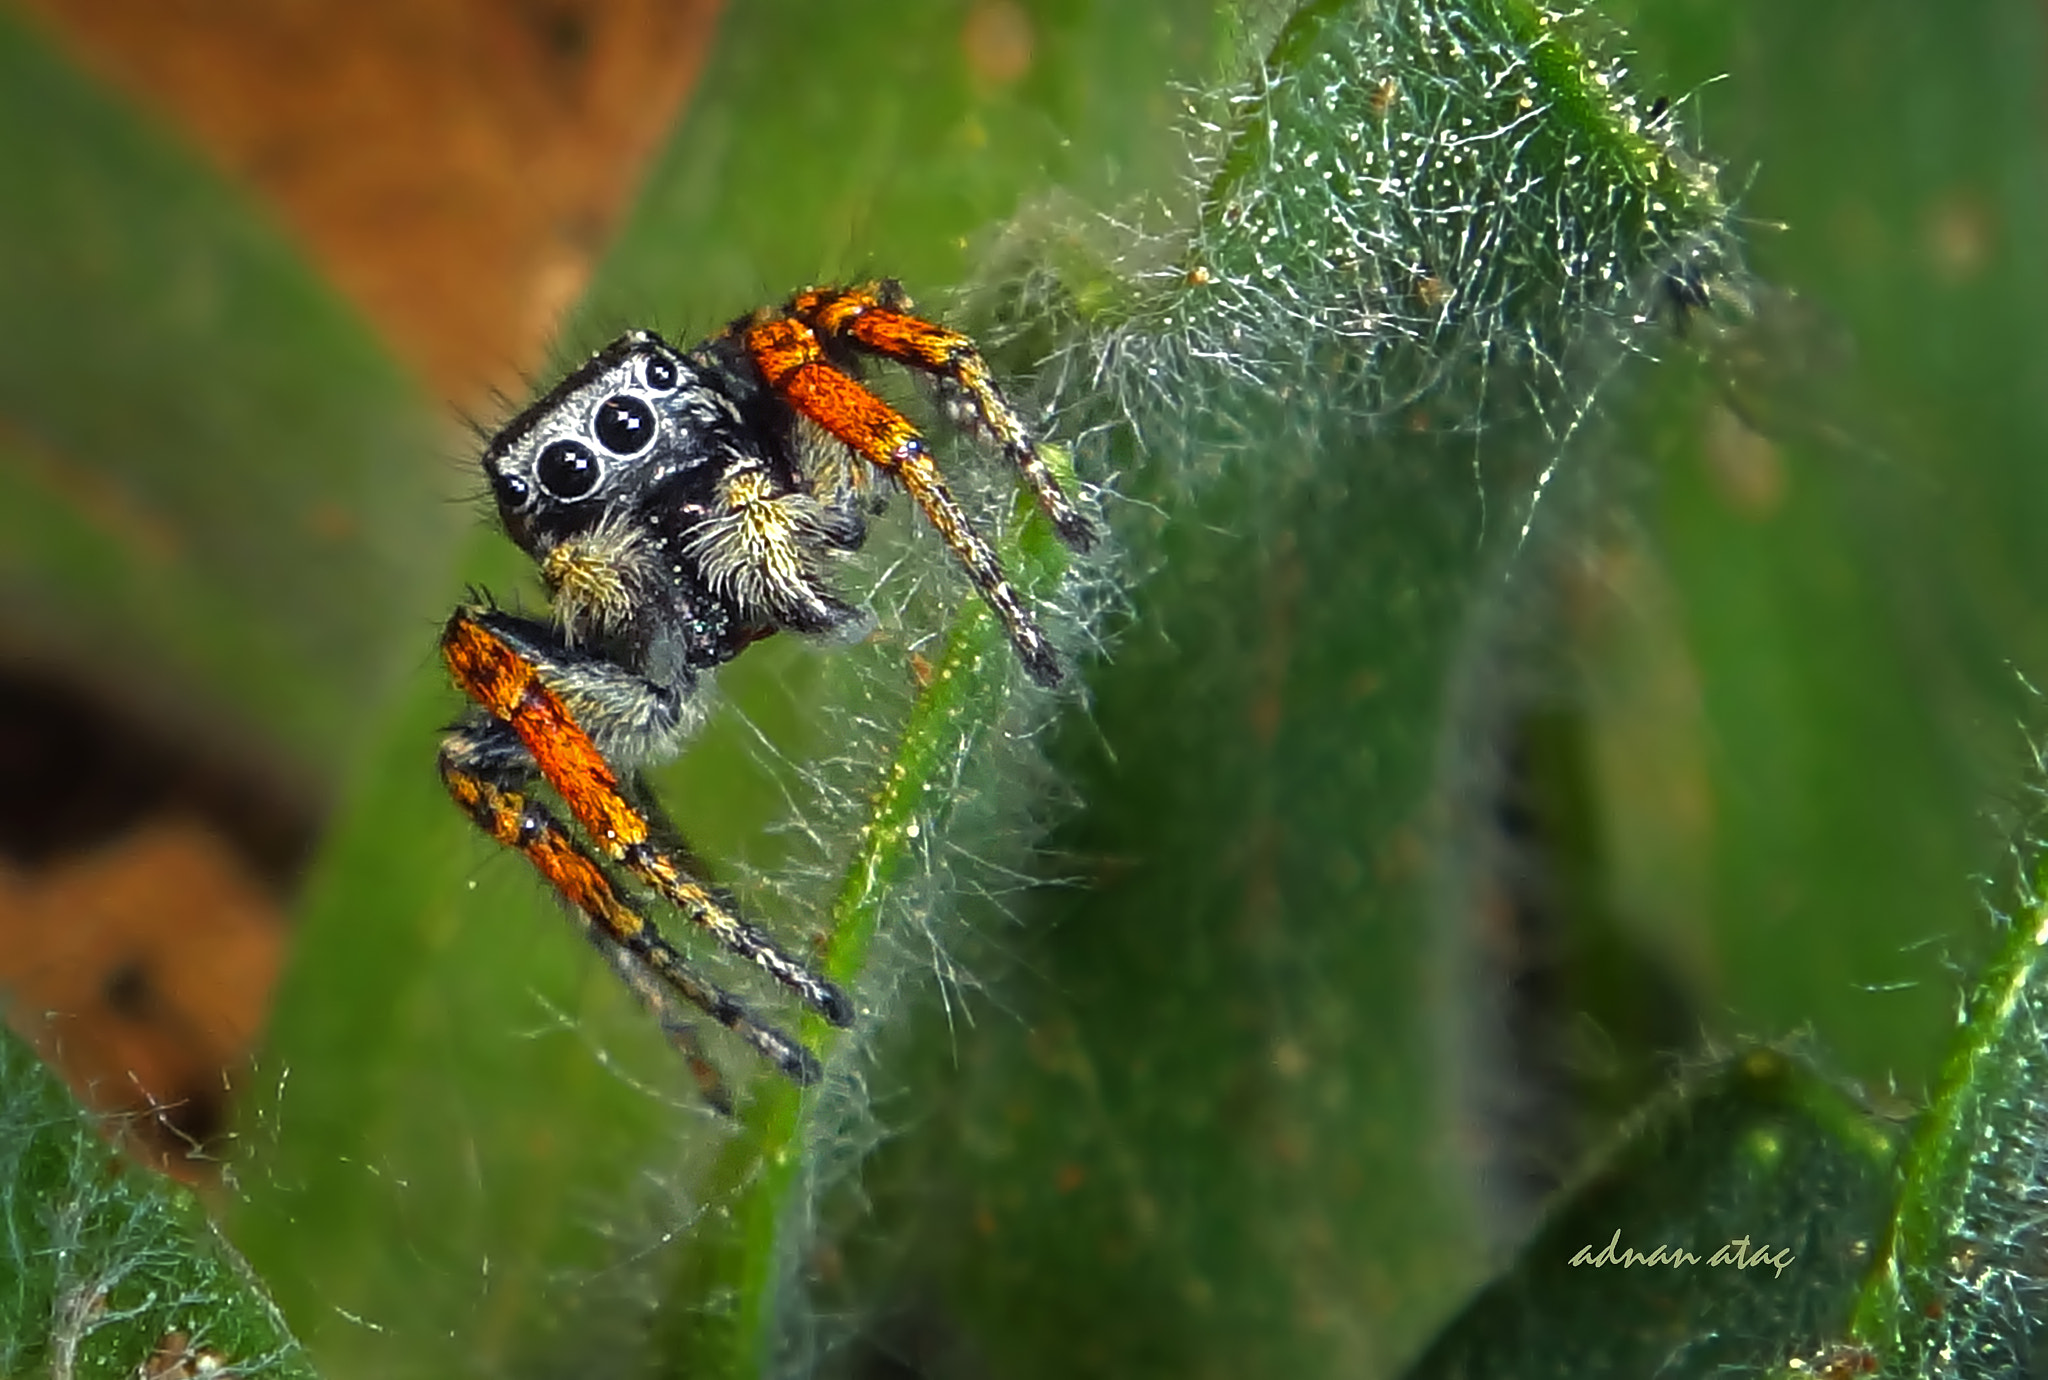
[{"x": 759, "y": 547}]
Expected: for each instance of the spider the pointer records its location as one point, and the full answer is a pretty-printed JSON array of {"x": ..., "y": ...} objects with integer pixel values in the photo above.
[{"x": 682, "y": 505}]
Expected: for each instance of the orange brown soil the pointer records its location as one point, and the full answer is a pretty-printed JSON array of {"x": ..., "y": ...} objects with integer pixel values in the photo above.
[{"x": 143, "y": 970}]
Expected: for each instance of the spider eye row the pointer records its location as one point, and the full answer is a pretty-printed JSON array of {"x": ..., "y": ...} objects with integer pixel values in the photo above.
[
  {"x": 623, "y": 424},
  {"x": 569, "y": 470}
]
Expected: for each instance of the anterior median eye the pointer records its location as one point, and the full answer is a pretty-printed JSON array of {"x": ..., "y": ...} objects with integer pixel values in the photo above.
[
  {"x": 567, "y": 469},
  {"x": 624, "y": 425}
]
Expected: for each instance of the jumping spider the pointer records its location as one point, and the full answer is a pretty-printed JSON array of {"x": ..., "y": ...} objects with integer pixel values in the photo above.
[{"x": 681, "y": 505}]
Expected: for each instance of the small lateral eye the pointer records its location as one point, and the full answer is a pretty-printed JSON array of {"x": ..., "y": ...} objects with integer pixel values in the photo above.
[
  {"x": 566, "y": 469},
  {"x": 660, "y": 373},
  {"x": 624, "y": 425},
  {"x": 512, "y": 491}
]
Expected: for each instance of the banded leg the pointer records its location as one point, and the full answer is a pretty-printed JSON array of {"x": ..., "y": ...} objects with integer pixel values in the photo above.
[
  {"x": 656, "y": 999},
  {"x": 634, "y": 945},
  {"x": 792, "y": 361},
  {"x": 876, "y": 318},
  {"x": 511, "y": 690}
]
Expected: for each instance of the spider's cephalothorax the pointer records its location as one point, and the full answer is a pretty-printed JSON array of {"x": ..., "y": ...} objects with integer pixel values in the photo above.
[{"x": 682, "y": 505}]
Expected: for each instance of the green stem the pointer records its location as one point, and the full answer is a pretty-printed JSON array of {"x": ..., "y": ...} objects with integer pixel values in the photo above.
[
  {"x": 731, "y": 1280},
  {"x": 1577, "y": 98},
  {"x": 1299, "y": 37},
  {"x": 1937, "y": 1165}
]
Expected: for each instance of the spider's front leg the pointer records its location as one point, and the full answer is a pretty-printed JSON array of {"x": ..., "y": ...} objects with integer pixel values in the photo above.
[
  {"x": 525, "y": 681},
  {"x": 877, "y": 318},
  {"x": 790, "y": 353}
]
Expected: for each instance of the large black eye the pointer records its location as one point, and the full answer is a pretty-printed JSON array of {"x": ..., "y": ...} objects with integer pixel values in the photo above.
[
  {"x": 512, "y": 491},
  {"x": 566, "y": 470},
  {"x": 624, "y": 425},
  {"x": 660, "y": 373}
]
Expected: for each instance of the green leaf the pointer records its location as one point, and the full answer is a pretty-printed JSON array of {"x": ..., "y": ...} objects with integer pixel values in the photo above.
[
  {"x": 1210, "y": 1131},
  {"x": 762, "y": 1182},
  {"x": 1769, "y": 1179},
  {"x": 101, "y": 1262},
  {"x": 1846, "y": 514}
]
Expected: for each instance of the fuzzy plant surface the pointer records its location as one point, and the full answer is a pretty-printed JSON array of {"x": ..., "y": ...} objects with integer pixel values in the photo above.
[
  {"x": 1959, "y": 1289},
  {"x": 1518, "y": 803},
  {"x": 108, "y": 1268}
]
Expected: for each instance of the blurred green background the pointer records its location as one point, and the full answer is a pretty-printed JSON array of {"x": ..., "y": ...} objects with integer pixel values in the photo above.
[{"x": 1721, "y": 755}]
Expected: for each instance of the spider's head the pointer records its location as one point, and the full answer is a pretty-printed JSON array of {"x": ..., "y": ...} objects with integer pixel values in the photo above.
[
  {"x": 599, "y": 445},
  {"x": 592, "y": 478}
]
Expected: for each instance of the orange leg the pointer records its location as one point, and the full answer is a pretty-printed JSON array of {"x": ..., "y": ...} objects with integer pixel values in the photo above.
[
  {"x": 510, "y": 689},
  {"x": 635, "y": 947},
  {"x": 876, "y": 318},
  {"x": 792, "y": 362}
]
